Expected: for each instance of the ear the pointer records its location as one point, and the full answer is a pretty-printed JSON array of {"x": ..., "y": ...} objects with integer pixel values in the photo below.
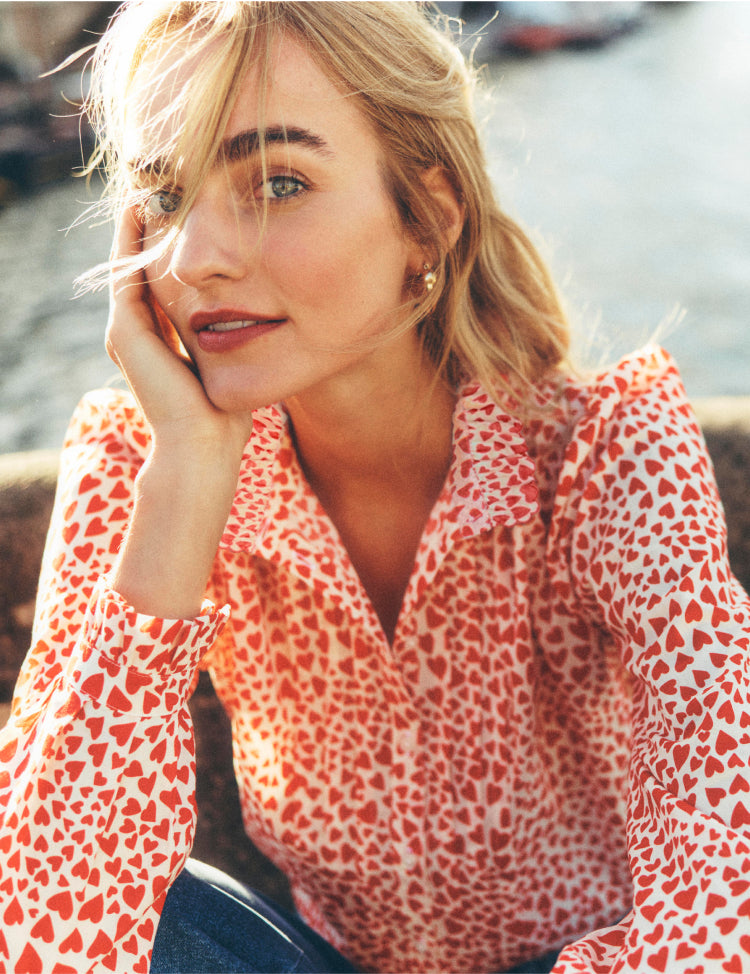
[{"x": 443, "y": 192}]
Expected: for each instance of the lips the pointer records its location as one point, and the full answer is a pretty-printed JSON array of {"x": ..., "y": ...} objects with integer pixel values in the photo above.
[
  {"x": 224, "y": 326},
  {"x": 228, "y": 319},
  {"x": 225, "y": 329}
]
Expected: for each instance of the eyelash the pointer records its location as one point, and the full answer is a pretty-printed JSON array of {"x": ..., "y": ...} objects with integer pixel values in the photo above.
[
  {"x": 286, "y": 176},
  {"x": 166, "y": 211},
  {"x": 162, "y": 204}
]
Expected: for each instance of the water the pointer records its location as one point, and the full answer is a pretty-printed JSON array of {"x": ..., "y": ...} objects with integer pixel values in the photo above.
[
  {"x": 630, "y": 165},
  {"x": 51, "y": 346}
]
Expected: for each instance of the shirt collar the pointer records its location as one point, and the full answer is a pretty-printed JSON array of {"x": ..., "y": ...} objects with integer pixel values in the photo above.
[{"x": 491, "y": 481}]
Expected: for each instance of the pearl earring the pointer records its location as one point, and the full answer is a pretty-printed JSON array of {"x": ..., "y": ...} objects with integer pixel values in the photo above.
[{"x": 429, "y": 277}]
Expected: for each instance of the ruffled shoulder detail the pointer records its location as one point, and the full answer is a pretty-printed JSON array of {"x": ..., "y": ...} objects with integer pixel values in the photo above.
[
  {"x": 648, "y": 373},
  {"x": 575, "y": 407},
  {"x": 631, "y": 378},
  {"x": 624, "y": 405}
]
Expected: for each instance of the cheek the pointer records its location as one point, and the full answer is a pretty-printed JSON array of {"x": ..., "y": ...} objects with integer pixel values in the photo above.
[{"x": 360, "y": 257}]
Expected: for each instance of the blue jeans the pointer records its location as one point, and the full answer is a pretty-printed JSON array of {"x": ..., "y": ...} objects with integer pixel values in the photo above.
[{"x": 211, "y": 924}]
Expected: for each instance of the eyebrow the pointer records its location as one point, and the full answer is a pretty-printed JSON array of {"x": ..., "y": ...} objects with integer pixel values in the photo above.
[{"x": 245, "y": 144}]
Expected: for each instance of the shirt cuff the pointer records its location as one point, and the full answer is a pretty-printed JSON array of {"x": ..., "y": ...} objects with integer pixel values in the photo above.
[{"x": 140, "y": 664}]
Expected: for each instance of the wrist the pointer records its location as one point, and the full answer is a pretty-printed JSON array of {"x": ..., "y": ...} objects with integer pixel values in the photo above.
[{"x": 182, "y": 502}]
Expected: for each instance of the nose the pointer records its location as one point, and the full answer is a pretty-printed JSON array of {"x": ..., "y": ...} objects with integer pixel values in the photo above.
[{"x": 215, "y": 242}]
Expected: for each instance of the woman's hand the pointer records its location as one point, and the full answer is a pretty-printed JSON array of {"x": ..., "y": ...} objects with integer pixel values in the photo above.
[
  {"x": 185, "y": 489},
  {"x": 144, "y": 345}
]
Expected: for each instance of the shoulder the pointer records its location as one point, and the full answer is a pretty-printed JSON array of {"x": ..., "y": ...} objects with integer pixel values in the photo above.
[
  {"x": 647, "y": 374},
  {"x": 630, "y": 408},
  {"x": 573, "y": 405},
  {"x": 638, "y": 403}
]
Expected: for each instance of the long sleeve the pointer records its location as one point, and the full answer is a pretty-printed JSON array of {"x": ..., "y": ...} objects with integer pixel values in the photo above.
[
  {"x": 97, "y": 761},
  {"x": 645, "y": 545}
]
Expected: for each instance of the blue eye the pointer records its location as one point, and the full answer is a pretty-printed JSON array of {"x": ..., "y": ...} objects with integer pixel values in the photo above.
[
  {"x": 281, "y": 187},
  {"x": 162, "y": 203}
]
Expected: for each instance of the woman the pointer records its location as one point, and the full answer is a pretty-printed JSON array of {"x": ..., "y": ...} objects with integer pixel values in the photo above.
[{"x": 471, "y": 616}]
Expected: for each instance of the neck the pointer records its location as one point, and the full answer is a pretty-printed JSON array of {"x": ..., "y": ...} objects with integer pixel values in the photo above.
[
  {"x": 376, "y": 448},
  {"x": 388, "y": 436}
]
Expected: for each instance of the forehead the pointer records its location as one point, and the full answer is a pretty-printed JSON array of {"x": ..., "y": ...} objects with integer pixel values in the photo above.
[
  {"x": 295, "y": 84},
  {"x": 295, "y": 93}
]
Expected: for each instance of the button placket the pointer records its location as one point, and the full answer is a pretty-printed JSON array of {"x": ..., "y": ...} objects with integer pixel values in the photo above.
[
  {"x": 407, "y": 826},
  {"x": 406, "y": 744}
]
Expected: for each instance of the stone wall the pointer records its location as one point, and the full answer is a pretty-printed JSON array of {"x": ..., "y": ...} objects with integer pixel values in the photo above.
[{"x": 27, "y": 484}]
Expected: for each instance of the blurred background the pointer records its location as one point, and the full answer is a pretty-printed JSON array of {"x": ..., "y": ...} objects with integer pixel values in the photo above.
[{"x": 617, "y": 133}]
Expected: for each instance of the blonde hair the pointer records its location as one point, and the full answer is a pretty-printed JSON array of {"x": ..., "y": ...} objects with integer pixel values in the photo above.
[{"x": 494, "y": 313}]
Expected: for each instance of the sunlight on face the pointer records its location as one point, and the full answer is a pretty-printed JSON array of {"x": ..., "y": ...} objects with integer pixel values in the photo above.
[{"x": 290, "y": 259}]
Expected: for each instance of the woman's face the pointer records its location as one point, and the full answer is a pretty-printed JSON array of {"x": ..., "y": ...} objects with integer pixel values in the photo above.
[{"x": 267, "y": 315}]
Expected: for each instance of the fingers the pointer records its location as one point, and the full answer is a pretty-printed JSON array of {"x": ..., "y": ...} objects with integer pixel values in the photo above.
[
  {"x": 128, "y": 240},
  {"x": 140, "y": 338},
  {"x": 133, "y": 338},
  {"x": 127, "y": 284},
  {"x": 144, "y": 344},
  {"x": 127, "y": 248}
]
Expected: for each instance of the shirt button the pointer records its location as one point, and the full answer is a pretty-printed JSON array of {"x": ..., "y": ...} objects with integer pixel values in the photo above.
[
  {"x": 410, "y": 861},
  {"x": 407, "y": 742}
]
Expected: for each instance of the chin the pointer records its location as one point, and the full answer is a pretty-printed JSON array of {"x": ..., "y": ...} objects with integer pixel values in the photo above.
[{"x": 230, "y": 398}]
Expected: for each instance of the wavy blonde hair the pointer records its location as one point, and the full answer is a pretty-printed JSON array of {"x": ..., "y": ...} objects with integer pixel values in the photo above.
[{"x": 494, "y": 313}]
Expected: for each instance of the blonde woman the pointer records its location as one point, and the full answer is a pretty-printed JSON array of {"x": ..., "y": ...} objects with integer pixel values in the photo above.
[{"x": 471, "y": 615}]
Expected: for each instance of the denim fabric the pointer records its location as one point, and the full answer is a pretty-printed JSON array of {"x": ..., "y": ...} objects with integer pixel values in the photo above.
[
  {"x": 542, "y": 965},
  {"x": 212, "y": 924}
]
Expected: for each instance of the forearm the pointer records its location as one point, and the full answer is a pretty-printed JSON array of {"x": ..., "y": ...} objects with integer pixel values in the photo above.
[{"x": 182, "y": 502}]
